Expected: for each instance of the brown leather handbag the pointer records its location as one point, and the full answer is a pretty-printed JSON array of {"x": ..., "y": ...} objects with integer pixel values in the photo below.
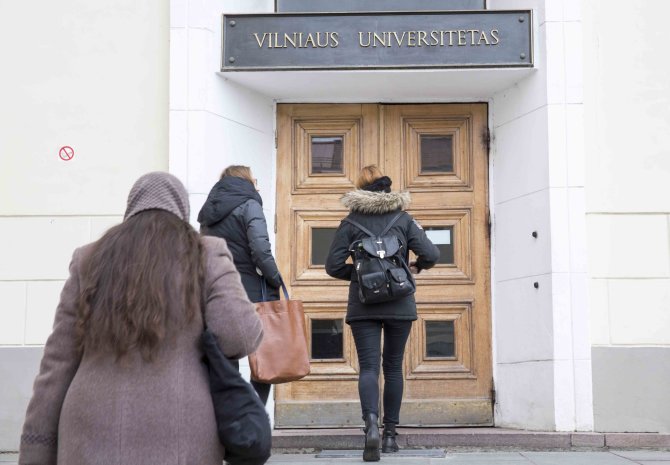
[{"x": 282, "y": 356}]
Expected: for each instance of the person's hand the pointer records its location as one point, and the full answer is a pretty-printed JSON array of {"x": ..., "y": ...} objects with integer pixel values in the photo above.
[{"x": 413, "y": 268}]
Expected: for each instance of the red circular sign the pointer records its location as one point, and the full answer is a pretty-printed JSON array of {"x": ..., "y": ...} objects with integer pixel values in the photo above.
[{"x": 66, "y": 153}]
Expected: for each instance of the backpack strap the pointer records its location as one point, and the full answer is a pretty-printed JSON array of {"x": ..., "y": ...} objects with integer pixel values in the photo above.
[
  {"x": 359, "y": 226},
  {"x": 368, "y": 232},
  {"x": 393, "y": 221}
]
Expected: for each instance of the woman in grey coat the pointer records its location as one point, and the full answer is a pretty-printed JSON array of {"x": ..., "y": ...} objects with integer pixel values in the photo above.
[
  {"x": 122, "y": 380},
  {"x": 234, "y": 211}
]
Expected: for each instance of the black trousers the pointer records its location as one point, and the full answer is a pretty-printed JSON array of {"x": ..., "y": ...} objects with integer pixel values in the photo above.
[
  {"x": 262, "y": 389},
  {"x": 367, "y": 337}
]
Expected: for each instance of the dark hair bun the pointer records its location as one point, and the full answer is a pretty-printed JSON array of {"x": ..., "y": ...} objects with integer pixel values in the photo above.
[{"x": 382, "y": 184}]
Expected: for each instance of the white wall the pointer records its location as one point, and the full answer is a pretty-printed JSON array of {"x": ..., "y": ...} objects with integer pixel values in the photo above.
[
  {"x": 93, "y": 76},
  {"x": 542, "y": 348},
  {"x": 628, "y": 171},
  {"x": 215, "y": 122},
  {"x": 627, "y": 122}
]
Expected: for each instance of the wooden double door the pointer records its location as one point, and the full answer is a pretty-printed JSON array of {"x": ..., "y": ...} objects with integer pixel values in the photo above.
[{"x": 437, "y": 152}]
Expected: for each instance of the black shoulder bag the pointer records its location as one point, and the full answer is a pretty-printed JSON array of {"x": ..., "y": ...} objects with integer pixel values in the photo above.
[{"x": 242, "y": 424}]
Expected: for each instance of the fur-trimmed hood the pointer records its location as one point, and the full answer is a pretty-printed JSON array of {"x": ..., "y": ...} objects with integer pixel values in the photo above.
[{"x": 375, "y": 203}]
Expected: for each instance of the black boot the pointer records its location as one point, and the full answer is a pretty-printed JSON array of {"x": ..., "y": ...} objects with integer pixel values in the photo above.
[
  {"x": 371, "y": 451},
  {"x": 389, "y": 444}
]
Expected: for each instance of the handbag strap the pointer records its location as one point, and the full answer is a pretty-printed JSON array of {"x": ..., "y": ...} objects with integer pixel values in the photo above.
[
  {"x": 203, "y": 291},
  {"x": 283, "y": 288},
  {"x": 264, "y": 289},
  {"x": 368, "y": 232},
  {"x": 203, "y": 301}
]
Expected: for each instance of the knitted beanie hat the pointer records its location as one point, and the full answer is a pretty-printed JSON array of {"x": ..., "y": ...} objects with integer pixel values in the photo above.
[{"x": 158, "y": 190}]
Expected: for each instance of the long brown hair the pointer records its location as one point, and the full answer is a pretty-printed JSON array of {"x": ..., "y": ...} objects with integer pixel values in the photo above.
[{"x": 136, "y": 273}]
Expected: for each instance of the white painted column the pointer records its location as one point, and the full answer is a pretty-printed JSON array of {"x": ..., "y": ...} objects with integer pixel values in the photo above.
[
  {"x": 215, "y": 122},
  {"x": 543, "y": 356}
]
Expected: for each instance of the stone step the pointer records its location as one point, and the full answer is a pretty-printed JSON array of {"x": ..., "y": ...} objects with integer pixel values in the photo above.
[
  {"x": 355, "y": 453},
  {"x": 472, "y": 438}
]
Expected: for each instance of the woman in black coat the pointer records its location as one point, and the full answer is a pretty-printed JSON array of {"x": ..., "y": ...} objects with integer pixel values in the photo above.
[
  {"x": 234, "y": 211},
  {"x": 373, "y": 205}
]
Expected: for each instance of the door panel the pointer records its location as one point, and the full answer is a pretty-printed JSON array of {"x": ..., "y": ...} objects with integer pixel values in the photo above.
[
  {"x": 308, "y": 211},
  {"x": 435, "y": 152},
  {"x": 449, "y": 189}
]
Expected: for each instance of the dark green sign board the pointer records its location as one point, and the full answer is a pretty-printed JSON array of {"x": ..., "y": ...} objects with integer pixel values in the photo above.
[{"x": 472, "y": 39}]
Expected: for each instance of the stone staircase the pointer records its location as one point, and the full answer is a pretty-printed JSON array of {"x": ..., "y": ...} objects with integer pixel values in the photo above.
[{"x": 468, "y": 438}]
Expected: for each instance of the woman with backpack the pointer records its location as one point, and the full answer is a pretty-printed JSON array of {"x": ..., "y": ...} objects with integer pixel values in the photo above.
[
  {"x": 375, "y": 209},
  {"x": 234, "y": 211}
]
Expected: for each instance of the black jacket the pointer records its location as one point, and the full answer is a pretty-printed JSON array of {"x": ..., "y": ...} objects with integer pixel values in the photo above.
[
  {"x": 234, "y": 211},
  {"x": 375, "y": 210}
]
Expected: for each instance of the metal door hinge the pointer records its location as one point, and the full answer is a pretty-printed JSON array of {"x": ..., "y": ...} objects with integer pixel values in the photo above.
[
  {"x": 493, "y": 396},
  {"x": 486, "y": 139},
  {"x": 275, "y": 223},
  {"x": 275, "y": 139}
]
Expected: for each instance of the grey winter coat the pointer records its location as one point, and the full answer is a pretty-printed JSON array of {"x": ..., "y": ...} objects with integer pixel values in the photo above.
[
  {"x": 233, "y": 211},
  {"x": 375, "y": 210},
  {"x": 94, "y": 410}
]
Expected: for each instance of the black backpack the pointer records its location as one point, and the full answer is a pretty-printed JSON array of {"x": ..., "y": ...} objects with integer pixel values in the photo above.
[{"x": 380, "y": 265}]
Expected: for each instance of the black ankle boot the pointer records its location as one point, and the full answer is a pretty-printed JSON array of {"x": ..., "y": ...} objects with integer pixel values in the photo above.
[
  {"x": 389, "y": 444},
  {"x": 371, "y": 451}
]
